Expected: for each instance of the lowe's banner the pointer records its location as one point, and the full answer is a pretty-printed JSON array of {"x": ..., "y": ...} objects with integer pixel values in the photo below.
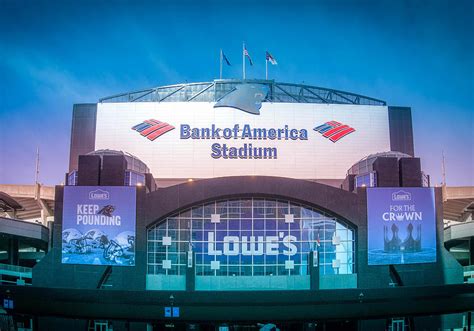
[
  {"x": 401, "y": 225},
  {"x": 99, "y": 225}
]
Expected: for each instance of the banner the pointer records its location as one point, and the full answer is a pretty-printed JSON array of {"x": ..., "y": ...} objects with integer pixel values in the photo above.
[
  {"x": 99, "y": 225},
  {"x": 401, "y": 225},
  {"x": 207, "y": 140}
]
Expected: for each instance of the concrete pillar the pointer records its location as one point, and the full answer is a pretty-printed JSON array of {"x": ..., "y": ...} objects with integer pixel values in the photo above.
[
  {"x": 13, "y": 255},
  {"x": 313, "y": 268},
  {"x": 471, "y": 251},
  {"x": 191, "y": 271},
  {"x": 88, "y": 173},
  {"x": 113, "y": 170},
  {"x": 43, "y": 217},
  {"x": 387, "y": 172},
  {"x": 410, "y": 172},
  {"x": 349, "y": 183},
  {"x": 150, "y": 182}
]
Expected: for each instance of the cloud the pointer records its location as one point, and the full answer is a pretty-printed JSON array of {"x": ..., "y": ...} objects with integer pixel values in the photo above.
[{"x": 42, "y": 76}]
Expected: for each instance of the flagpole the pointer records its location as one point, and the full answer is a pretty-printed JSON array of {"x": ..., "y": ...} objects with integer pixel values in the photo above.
[
  {"x": 220, "y": 71},
  {"x": 37, "y": 166},
  {"x": 243, "y": 60},
  {"x": 266, "y": 68}
]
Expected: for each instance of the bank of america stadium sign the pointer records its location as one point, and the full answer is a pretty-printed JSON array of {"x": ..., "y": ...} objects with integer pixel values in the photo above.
[{"x": 153, "y": 129}]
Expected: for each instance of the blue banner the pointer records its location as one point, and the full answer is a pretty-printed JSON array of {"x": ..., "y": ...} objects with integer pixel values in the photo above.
[
  {"x": 401, "y": 225},
  {"x": 99, "y": 225}
]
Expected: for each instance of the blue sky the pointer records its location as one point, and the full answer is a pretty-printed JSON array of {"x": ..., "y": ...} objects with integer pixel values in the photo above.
[{"x": 409, "y": 53}]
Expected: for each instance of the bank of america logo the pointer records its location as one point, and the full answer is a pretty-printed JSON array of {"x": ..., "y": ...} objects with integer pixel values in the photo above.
[
  {"x": 334, "y": 130},
  {"x": 152, "y": 129}
]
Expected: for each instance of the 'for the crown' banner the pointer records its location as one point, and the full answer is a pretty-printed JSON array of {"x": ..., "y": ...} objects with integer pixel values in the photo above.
[{"x": 401, "y": 225}]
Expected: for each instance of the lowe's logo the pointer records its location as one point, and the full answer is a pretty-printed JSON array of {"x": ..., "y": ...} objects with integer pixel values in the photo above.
[
  {"x": 334, "y": 130},
  {"x": 401, "y": 196},
  {"x": 99, "y": 195},
  {"x": 152, "y": 129},
  {"x": 253, "y": 245}
]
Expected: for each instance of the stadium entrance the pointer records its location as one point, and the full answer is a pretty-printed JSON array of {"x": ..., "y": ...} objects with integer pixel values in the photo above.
[{"x": 251, "y": 326}]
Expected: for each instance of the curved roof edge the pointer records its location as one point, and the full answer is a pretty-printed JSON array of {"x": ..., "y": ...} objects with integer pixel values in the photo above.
[
  {"x": 364, "y": 165},
  {"x": 166, "y": 201},
  {"x": 215, "y": 90},
  {"x": 8, "y": 203}
]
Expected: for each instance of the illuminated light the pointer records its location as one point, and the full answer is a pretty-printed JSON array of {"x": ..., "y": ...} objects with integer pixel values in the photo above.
[
  {"x": 139, "y": 184},
  {"x": 190, "y": 180},
  {"x": 363, "y": 185}
]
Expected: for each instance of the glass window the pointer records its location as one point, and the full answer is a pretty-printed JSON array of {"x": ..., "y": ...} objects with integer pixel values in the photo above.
[
  {"x": 72, "y": 178},
  {"x": 366, "y": 180},
  {"x": 134, "y": 178},
  {"x": 251, "y": 237}
]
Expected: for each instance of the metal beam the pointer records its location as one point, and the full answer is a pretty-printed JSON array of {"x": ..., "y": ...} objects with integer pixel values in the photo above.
[
  {"x": 288, "y": 94},
  {"x": 317, "y": 95},
  {"x": 200, "y": 92},
  {"x": 141, "y": 96},
  {"x": 341, "y": 96},
  {"x": 170, "y": 94}
]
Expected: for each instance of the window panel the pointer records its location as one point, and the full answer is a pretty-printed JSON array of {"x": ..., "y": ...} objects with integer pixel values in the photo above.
[
  {"x": 282, "y": 209},
  {"x": 270, "y": 270},
  {"x": 296, "y": 211},
  {"x": 197, "y": 212},
  {"x": 234, "y": 270},
  {"x": 258, "y": 224},
  {"x": 258, "y": 270},
  {"x": 185, "y": 213},
  {"x": 258, "y": 259},
  {"x": 250, "y": 218},
  {"x": 208, "y": 210}
]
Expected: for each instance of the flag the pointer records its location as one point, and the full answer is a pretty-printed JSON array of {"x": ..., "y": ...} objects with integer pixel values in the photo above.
[
  {"x": 270, "y": 58},
  {"x": 246, "y": 53},
  {"x": 225, "y": 59}
]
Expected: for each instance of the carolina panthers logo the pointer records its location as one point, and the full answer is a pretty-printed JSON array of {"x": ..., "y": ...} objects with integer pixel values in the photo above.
[
  {"x": 246, "y": 97},
  {"x": 107, "y": 211}
]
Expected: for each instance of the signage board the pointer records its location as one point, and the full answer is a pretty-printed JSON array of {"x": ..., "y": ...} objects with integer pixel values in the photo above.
[
  {"x": 401, "y": 225},
  {"x": 99, "y": 224},
  {"x": 198, "y": 140}
]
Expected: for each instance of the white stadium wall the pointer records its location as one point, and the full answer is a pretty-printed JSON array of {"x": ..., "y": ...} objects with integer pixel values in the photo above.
[{"x": 302, "y": 153}]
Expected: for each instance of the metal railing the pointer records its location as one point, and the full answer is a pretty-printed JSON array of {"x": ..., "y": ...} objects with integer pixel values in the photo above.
[{"x": 18, "y": 275}]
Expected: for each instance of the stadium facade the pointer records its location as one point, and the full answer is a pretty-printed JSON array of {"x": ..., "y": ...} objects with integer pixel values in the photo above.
[
  {"x": 232, "y": 204},
  {"x": 231, "y": 129}
]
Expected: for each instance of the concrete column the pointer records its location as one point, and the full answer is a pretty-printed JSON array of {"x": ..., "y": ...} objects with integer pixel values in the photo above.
[
  {"x": 88, "y": 173},
  {"x": 410, "y": 172},
  {"x": 387, "y": 172},
  {"x": 314, "y": 270},
  {"x": 43, "y": 217},
  {"x": 113, "y": 170},
  {"x": 13, "y": 255},
  {"x": 471, "y": 251},
  {"x": 191, "y": 271}
]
